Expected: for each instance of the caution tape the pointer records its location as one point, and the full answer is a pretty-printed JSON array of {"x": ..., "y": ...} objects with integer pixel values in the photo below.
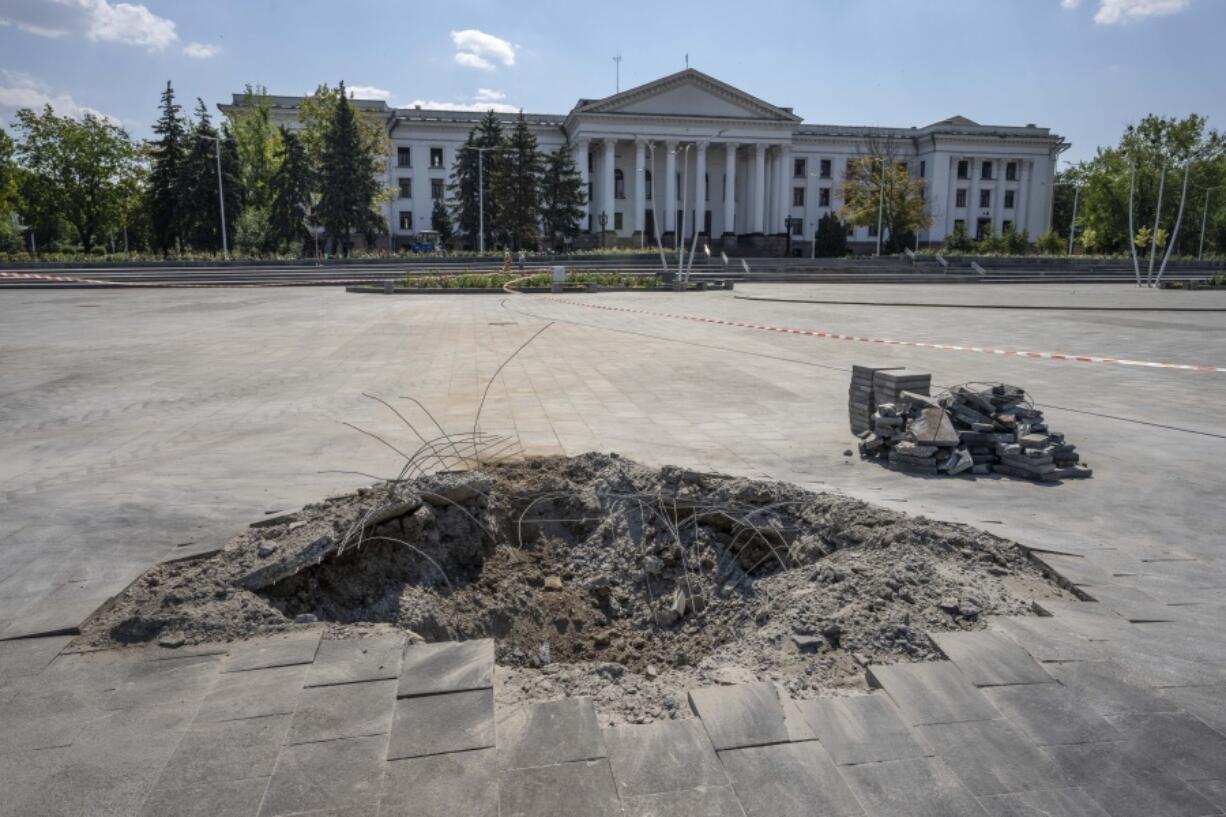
[
  {"x": 918, "y": 344},
  {"x": 67, "y": 279}
]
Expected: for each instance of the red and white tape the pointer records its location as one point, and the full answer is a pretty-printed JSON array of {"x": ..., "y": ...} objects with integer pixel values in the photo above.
[
  {"x": 919, "y": 344},
  {"x": 67, "y": 279}
]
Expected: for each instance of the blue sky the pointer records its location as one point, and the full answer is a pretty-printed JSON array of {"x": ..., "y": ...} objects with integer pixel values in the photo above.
[{"x": 1085, "y": 68}]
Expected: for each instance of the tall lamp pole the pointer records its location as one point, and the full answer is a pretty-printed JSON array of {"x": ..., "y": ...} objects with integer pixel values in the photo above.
[
  {"x": 221, "y": 200},
  {"x": 480, "y": 193},
  {"x": 1204, "y": 218},
  {"x": 1072, "y": 226}
]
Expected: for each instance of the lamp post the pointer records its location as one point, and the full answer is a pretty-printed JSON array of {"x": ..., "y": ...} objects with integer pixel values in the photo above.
[
  {"x": 880, "y": 206},
  {"x": 1204, "y": 218},
  {"x": 603, "y": 219},
  {"x": 1072, "y": 227},
  {"x": 221, "y": 199},
  {"x": 787, "y": 226},
  {"x": 480, "y": 193}
]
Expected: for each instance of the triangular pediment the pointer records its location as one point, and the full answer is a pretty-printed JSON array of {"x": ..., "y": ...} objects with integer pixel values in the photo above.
[{"x": 687, "y": 93}]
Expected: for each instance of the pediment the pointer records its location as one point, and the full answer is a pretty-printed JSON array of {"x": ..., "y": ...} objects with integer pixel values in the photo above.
[{"x": 688, "y": 93}]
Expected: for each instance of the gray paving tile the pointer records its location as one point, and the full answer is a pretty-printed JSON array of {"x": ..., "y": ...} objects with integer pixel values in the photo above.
[
  {"x": 1104, "y": 686},
  {"x": 1126, "y": 784},
  {"x": 992, "y": 757},
  {"x": 447, "y": 666},
  {"x": 30, "y": 781},
  {"x": 1050, "y": 713},
  {"x": 434, "y": 724},
  {"x": 741, "y": 715},
  {"x": 273, "y": 651},
  {"x": 789, "y": 780},
  {"x": 932, "y": 692},
  {"x": 344, "y": 711},
  {"x": 713, "y": 801},
  {"x": 1177, "y": 742},
  {"x": 662, "y": 756},
  {"x": 226, "y": 750},
  {"x": 230, "y": 798},
  {"x": 39, "y": 713},
  {"x": 576, "y": 789},
  {"x": 331, "y": 775},
  {"x": 538, "y": 734},
  {"x": 1048, "y": 803},
  {"x": 153, "y": 683},
  {"x": 918, "y": 787},
  {"x": 450, "y": 785},
  {"x": 353, "y": 660},
  {"x": 1047, "y": 639},
  {"x": 862, "y": 729},
  {"x": 989, "y": 659},
  {"x": 1205, "y": 702},
  {"x": 28, "y": 656},
  {"x": 254, "y": 694},
  {"x": 1212, "y": 790}
]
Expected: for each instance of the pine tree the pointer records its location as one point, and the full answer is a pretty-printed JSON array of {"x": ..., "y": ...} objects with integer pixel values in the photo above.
[
  {"x": 516, "y": 187},
  {"x": 290, "y": 189},
  {"x": 167, "y": 154},
  {"x": 831, "y": 238},
  {"x": 199, "y": 183},
  {"x": 464, "y": 187},
  {"x": 562, "y": 196},
  {"x": 440, "y": 222},
  {"x": 347, "y": 181}
]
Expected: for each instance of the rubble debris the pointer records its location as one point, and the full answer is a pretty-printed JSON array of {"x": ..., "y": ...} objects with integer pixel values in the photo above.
[
  {"x": 976, "y": 428},
  {"x": 860, "y": 401}
]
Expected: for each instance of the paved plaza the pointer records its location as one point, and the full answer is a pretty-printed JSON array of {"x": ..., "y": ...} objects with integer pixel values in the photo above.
[{"x": 141, "y": 426}]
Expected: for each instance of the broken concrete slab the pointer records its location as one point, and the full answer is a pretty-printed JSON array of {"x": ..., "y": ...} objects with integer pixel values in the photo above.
[
  {"x": 560, "y": 790},
  {"x": 29, "y": 656},
  {"x": 332, "y": 775},
  {"x": 712, "y": 801},
  {"x": 1050, "y": 714},
  {"x": 344, "y": 711},
  {"x": 1046, "y": 639},
  {"x": 992, "y": 757},
  {"x": 447, "y": 666},
  {"x": 228, "y": 798},
  {"x": 436, "y": 724},
  {"x": 662, "y": 756},
  {"x": 1128, "y": 784},
  {"x": 862, "y": 729},
  {"x": 789, "y": 780},
  {"x": 227, "y": 750},
  {"x": 273, "y": 651},
  {"x": 988, "y": 659},
  {"x": 152, "y": 683},
  {"x": 354, "y": 660},
  {"x": 448, "y": 785},
  {"x": 739, "y": 716},
  {"x": 918, "y": 787},
  {"x": 254, "y": 694},
  {"x": 1050, "y": 803},
  {"x": 1208, "y": 703},
  {"x": 1183, "y": 745},
  {"x": 1107, "y": 688},
  {"x": 538, "y": 734},
  {"x": 932, "y": 692}
]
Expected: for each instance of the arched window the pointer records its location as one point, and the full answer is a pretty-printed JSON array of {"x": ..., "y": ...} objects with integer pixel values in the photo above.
[
  {"x": 619, "y": 184},
  {"x": 647, "y": 183}
]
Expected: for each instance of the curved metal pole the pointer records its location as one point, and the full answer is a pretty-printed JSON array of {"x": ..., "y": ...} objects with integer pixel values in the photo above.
[
  {"x": 1132, "y": 236},
  {"x": 1153, "y": 237},
  {"x": 1170, "y": 245}
]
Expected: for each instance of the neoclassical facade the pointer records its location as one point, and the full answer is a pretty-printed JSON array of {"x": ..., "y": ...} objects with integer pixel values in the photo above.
[{"x": 688, "y": 152}]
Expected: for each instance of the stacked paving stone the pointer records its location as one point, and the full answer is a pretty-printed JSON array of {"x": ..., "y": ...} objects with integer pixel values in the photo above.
[{"x": 981, "y": 430}]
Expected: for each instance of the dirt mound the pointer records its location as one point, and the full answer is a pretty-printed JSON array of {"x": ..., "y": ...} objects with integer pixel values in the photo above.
[{"x": 598, "y": 576}]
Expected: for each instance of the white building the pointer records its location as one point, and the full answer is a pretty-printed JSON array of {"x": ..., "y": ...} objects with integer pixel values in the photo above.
[{"x": 756, "y": 167}]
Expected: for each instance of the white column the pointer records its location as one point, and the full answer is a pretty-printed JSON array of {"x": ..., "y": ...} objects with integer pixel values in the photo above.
[
  {"x": 785, "y": 187},
  {"x": 610, "y": 162},
  {"x": 950, "y": 200},
  {"x": 771, "y": 203},
  {"x": 972, "y": 198},
  {"x": 581, "y": 159},
  {"x": 758, "y": 202},
  {"x": 640, "y": 188},
  {"x": 998, "y": 198},
  {"x": 730, "y": 187},
  {"x": 670, "y": 189},
  {"x": 700, "y": 186}
]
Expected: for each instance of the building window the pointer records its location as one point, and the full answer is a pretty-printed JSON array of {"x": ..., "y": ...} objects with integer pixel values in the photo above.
[
  {"x": 798, "y": 197},
  {"x": 985, "y": 198},
  {"x": 406, "y": 188},
  {"x": 983, "y": 228},
  {"x": 825, "y": 168},
  {"x": 647, "y": 183},
  {"x": 436, "y": 189},
  {"x": 591, "y": 162},
  {"x": 617, "y": 221},
  {"x": 798, "y": 168},
  {"x": 589, "y": 192},
  {"x": 959, "y": 224},
  {"x": 797, "y": 224},
  {"x": 960, "y": 197},
  {"x": 406, "y": 219},
  {"x": 619, "y": 184},
  {"x": 923, "y": 170},
  {"x": 1008, "y": 199},
  {"x": 872, "y": 231},
  {"x": 1006, "y": 227},
  {"x": 902, "y": 166},
  {"x": 436, "y": 157},
  {"x": 404, "y": 157},
  {"x": 985, "y": 171},
  {"x": 823, "y": 197},
  {"x": 964, "y": 169},
  {"x": 1011, "y": 172}
]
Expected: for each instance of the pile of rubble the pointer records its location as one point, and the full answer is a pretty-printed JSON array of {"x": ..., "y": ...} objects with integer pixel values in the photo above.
[{"x": 975, "y": 428}]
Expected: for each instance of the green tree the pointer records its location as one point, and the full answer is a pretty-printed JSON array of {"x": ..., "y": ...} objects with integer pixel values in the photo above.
[
  {"x": 8, "y": 176},
  {"x": 440, "y": 222},
  {"x": 80, "y": 163},
  {"x": 348, "y": 182},
  {"x": 831, "y": 237},
  {"x": 199, "y": 183},
  {"x": 562, "y": 197},
  {"x": 958, "y": 240},
  {"x": 257, "y": 141},
  {"x": 901, "y": 202},
  {"x": 465, "y": 188},
  {"x": 291, "y": 186},
  {"x": 1050, "y": 243},
  {"x": 167, "y": 153}
]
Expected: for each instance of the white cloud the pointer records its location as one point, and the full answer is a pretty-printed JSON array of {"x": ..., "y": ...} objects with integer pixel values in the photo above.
[
  {"x": 488, "y": 95},
  {"x": 98, "y": 20},
  {"x": 477, "y": 105},
  {"x": 20, "y": 90},
  {"x": 367, "y": 92},
  {"x": 201, "y": 51},
  {"x": 1112, "y": 12},
  {"x": 477, "y": 49}
]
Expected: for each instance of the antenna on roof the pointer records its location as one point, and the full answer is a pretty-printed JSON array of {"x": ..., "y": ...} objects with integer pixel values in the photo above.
[{"x": 618, "y": 62}]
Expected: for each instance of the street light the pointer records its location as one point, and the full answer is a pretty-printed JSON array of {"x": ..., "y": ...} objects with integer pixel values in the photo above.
[
  {"x": 1072, "y": 227},
  {"x": 603, "y": 219},
  {"x": 308, "y": 210},
  {"x": 1204, "y": 217},
  {"x": 221, "y": 199},
  {"x": 787, "y": 226},
  {"x": 21, "y": 228},
  {"x": 480, "y": 193}
]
